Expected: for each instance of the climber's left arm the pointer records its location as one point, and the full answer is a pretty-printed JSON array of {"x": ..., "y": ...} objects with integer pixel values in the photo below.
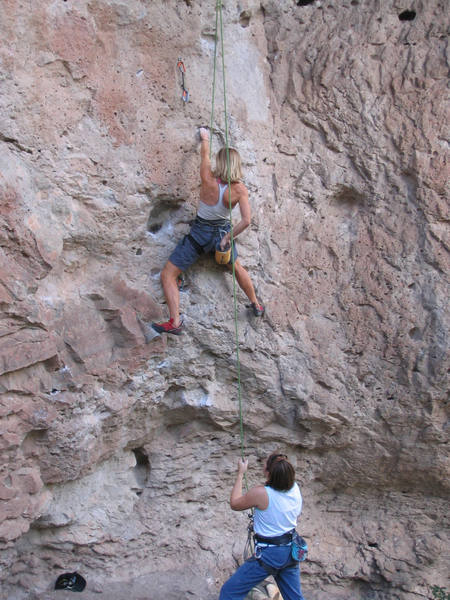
[{"x": 244, "y": 207}]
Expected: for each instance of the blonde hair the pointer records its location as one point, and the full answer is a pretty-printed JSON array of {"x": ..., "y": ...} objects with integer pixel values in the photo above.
[{"x": 221, "y": 169}]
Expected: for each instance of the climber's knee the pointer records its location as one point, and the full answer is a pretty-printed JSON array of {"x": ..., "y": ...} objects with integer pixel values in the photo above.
[{"x": 169, "y": 272}]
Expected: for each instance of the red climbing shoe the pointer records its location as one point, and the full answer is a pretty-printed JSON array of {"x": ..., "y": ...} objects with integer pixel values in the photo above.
[
  {"x": 168, "y": 327},
  {"x": 258, "y": 309}
]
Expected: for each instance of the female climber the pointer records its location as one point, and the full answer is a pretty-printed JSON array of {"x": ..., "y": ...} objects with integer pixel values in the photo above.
[
  {"x": 277, "y": 505},
  {"x": 210, "y": 231}
]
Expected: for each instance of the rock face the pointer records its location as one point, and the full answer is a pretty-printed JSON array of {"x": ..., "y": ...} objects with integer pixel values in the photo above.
[{"x": 117, "y": 456}]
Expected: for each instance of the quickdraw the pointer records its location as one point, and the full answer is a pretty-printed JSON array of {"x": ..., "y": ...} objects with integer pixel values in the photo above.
[{"x": 182, "y": 69}]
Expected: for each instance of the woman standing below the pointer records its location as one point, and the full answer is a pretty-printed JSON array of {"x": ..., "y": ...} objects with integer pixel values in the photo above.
[
  {"x": 277, "y": 505},
  {"x": 211, "y": 230}
]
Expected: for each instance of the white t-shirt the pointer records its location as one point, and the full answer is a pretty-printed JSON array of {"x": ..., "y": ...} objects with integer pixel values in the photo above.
[{"x": 282, "y": 513}]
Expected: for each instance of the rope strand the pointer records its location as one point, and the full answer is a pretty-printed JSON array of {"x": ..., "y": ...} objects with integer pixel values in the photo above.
[
  {"x": 219, "y": 18},
  {"x": 213, "y": 86},
  {"x": 249, "y": 546}
]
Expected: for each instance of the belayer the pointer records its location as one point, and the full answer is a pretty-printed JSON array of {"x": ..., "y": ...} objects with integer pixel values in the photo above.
[
  {"x": 210, "y": 231},
  {"x": 277, "y": 505}
]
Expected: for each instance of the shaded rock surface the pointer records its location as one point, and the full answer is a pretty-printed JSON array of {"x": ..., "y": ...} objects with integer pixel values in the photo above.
[{"x": 117, "y": 456}]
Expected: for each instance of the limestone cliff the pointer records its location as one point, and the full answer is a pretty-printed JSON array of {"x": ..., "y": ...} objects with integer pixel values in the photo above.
[{"x": 117, "y": 456}]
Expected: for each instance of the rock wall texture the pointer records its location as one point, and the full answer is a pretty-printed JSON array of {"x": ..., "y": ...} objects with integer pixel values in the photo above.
[{"x": 117, "y": 456}]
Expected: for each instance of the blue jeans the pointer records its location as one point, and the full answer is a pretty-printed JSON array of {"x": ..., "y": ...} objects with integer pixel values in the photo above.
[{"x": 251, "y": 573}]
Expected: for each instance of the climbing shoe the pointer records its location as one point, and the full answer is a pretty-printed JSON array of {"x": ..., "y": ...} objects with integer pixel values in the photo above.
[
  {"x": 258, "y": 309},
  {"x": 168, "y": 327}
]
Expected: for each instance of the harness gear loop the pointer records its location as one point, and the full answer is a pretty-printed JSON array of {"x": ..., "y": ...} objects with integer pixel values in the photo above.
[{"x": 182, "y": 69}]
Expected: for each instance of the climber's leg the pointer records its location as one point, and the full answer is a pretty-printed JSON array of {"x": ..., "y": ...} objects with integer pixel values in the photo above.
[
  {"x": 184, "y": 255},
  {"x": 169, "y": 276},
  {"x": 169, "y": 280},
  {"x": 245, "y": 283}
]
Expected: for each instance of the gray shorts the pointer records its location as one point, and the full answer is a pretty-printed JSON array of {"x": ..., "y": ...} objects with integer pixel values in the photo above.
[{"x": 204, "y": 237}]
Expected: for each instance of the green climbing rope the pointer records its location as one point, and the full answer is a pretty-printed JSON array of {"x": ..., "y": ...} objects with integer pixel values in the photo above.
[
  {"x": 219, "y": 18},
  {"x": 213, "y": 92}
]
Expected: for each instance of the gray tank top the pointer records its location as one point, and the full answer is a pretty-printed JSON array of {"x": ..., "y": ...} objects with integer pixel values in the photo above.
[{"x": 218, "y": 210}]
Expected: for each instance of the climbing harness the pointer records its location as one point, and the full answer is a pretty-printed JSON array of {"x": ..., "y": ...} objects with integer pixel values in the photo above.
[
  {"x": 219, "y": 21},
  {"x": 182, "y": 69},
  {"x": 299, "y": 550},
  {"x": 222, "y": 256}
]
